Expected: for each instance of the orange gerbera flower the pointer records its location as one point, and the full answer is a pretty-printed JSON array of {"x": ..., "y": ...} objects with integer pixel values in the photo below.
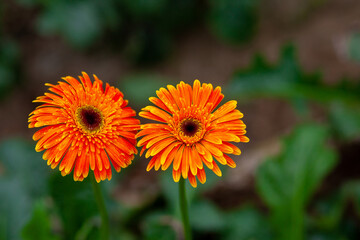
[
  {"x": 85, "y": 126},
  {"x": 190, "y": 134}
]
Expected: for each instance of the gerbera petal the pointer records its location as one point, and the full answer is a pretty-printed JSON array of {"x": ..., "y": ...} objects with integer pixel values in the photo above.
[
  {"x": 165, "y": 154},
  {"x": 68, "y": 162},
  {"x": 192, "y": 180},
  {"x": 196, "y": 89},
  {"x": 212, "y": 148},
  {"x": 216, "y": 97},
  {"x": 216, "y": 169},
  {"x": 233, "y": 115},
  {"x": 207, "y": 89},
  {"x": 212, "y": 138},
  {"x": 236, "y": 150},
  {"x": 192, "y": 163},
  {"x": 224, "y": 109},
  {"x": 225, "y": 148},
  {"x": 196, "y": 158},
  {"x": 229, "y": 161},
  {"x": 206, "y": 162},
  {"x": 178, "y": 158},
  {"x": 176, "y": 175},
  {"x": 161, "y": 145},
  {"x": 244, "y": 139},
  {"x": 185, "y": 162},
  {"x": 157, "y": 112},
  {"x": 159, "y": 103},
  {"x": 169, "y": 158},
  {"x": 167, "y": 99},
  {"x": 151, "y": 164},
  {"x": 80, "y": 163},
  {"x": 201, "y": 176}
]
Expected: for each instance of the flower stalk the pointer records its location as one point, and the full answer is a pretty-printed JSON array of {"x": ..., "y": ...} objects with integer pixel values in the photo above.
[
  {"x": 184, "y": 209},
  {"x": 104, "y": 229}
]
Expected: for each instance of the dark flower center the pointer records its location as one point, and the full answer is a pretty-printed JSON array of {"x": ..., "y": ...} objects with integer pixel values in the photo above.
[
  {"x": 189, "y": 127},
  {"x": 90, "y": 118}
]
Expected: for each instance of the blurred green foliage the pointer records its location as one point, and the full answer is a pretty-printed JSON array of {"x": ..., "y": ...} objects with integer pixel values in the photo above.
[
  {"x": 247, "y": 223},
  {"x": 38, "y": 228},
  {"x": 287, "y": 182},
  {"x": 74, "y": 201},
  {"x": 35, "y": 205},
  {"x": 353, "y": 46},
  {"x": 78, "y": 22},
  {"x": 157, "y": 226},
  {"x": 9, "y": 57},
  {"x": 140, "y": 87},
  {"x": 144, "y": 30},
  {"x": 233, "y": 21},
  {"x": 287, "y": 80},
  {"x": 22, "y": 182}
]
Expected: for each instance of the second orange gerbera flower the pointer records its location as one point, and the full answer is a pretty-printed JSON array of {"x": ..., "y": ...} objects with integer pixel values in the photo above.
[{"x": 190, "y": 135}]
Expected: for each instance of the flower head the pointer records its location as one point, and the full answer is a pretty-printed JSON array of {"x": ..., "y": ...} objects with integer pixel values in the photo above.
[
  {"x": 85, "y": 126},
  {"x": 191, "y": 134}
]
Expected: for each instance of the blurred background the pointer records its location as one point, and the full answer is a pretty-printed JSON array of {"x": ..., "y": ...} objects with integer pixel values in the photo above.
[{"x": 293, "y": 66}]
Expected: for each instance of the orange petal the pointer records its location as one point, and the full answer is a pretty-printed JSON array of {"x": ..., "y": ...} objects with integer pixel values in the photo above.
[
  {"x": 185, "y": 162},
  {"x": 169, "y": 159},
  {"x": 192, "y": 180},
  {"x": 159, "y": 103},
  {"x": 196, "y": 158},
  {"x": 168, "y": 149},
  {"x": 192, "y": 163},
  {"x": 212, "y": 148},
  {"x": 229, "y": 161},
  {"x": 201, "y": 175},
  {"x": 151, "y": 164},
  {"x": 178, "y": 158},
  {"x": 216, "y": 169},
  {"x": 176, "y": 175}
]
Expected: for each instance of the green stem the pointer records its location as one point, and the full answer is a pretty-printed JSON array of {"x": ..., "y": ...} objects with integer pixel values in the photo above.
[
  {"x": 102, "y": 208},
  {"x": 184, "y": 209}
]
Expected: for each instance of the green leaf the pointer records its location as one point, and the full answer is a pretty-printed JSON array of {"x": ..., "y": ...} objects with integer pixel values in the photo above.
[
  {"x": 9, "y": 56},
  {"x": 78, "y": 22},
  {"x": 75, "y": 202},
  {"x": 354, "y": 47},
  {"x": 206, "y": 217},
  {"x": 38, "y": 228},
  {"x": 233, "y": 20},
  {"x": 286, "y": 79},
  {"x": 148, "y": 45},
  {"x": 139, "y": 87},
  {"x": 170, "y": 189},
  {"x": 23, "y": 181},
  {"x": 22, "y": 162},
  {"x": 152, "y": 26},
  {"x": 352, "y": 192},
  {"x": 143, "y": 9},
  {"x": 287, "y": 182},
  {"x": 15, "y": 208},
  {"x": 345, "y": 120},
  {"x": 247, "y": 224},
  {"x": 328, "y": 211},
  {"x": 157, "y": 226},
  {"x": 330, "y": 220}
]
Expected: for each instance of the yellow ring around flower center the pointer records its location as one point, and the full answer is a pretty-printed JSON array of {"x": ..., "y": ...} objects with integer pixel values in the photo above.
[
  {"x": 89, "y": 119},
  {"x": 190, "y": 130}
]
